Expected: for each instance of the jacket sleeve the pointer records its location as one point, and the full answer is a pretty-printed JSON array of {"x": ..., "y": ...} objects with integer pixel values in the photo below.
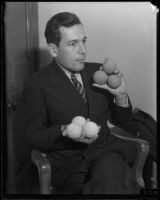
[
  {"x": 37, "y": 132},
  {"x": 122, "y": 116}
]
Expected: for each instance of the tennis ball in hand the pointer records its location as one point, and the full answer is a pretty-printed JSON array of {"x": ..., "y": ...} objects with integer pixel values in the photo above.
[
  {"x": 80, "y": 120},
  {"x": 114, "y": 81},
  {"x": 91, "y": 129},
  {"x": 74, "y": 131},
  {"x": 109, "y": 66},
  {"x": 100, "y": 77}
]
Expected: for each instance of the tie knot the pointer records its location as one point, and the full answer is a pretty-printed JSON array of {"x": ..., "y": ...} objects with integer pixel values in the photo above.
[
  {"x": 73, "y": 76},
  {"x": 74, "y": 79}
]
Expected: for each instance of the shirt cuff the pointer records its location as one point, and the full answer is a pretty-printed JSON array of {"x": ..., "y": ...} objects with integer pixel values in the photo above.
[{"x": 125, "y": 105}]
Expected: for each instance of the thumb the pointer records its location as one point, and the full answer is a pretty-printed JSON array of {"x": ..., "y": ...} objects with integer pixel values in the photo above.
[
  {"x": 104, "y": 86},
  {"x": 88, "y": 120},
  {"x": 64, "y": 133}
]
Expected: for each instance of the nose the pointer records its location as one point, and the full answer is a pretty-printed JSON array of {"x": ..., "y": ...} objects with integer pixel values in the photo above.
[{"x": 82, "y": 48}]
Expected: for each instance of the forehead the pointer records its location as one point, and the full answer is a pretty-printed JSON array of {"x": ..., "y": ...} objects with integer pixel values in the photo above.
[{"x": 75, "y": 32}]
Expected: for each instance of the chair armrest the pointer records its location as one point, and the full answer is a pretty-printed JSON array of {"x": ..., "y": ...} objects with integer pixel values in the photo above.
[
  {"x": 154, "y": 175},
  {"x": 142, "y": 152},
  {"x": 44, "y": 170}
]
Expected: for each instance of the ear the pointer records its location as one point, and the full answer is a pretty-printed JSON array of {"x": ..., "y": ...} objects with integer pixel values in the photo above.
[{"x": 53, "y": 50}]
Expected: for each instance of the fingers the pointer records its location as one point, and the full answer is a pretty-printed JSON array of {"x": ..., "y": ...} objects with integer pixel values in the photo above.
[
  {"x": 92, "y": 139},
  {"x": 116, "y": 72},
  {"x": 64, "y": 130},
  {"x": 99, "y": 127},
  {"x": 120, "y": 74},
  {"x": 104, "y": 86},
  {"x": 85, "y": 139},
  {"x": 99, "y": 86},
  {"x": 89, "y": 140},
  {"x": 64, "y": 133},
  {"x": 87, "y": 120},
  {"x": 83, "y": 133}
]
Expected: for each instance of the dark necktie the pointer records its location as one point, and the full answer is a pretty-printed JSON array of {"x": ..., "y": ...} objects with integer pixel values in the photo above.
[{"x": 79, "y": 87}]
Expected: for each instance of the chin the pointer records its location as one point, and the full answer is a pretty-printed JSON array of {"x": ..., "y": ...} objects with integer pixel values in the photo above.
[{"x": 79, "y": 67}]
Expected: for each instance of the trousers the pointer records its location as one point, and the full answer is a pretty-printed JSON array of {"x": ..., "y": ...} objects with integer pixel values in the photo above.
[{"x": 99, "y": 169}]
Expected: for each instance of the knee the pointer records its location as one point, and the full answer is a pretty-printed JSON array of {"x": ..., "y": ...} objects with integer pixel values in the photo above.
[{"x": 109, "y": 165}]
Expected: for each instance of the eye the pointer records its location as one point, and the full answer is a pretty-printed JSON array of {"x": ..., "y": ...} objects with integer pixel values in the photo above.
[
  {"x": 84, "y": 41},
  {"x": 73, "y": 44}
]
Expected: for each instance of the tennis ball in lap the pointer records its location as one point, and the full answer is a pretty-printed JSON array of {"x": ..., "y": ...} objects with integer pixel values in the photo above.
[
  {"x": 80, "y": 120},
  {"x": 74, "y": 131},
  {"x": 91, "y": 129}
]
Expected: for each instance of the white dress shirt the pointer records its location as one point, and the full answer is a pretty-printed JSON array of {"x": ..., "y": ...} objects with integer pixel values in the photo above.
[{"x": 68, "y": 73}]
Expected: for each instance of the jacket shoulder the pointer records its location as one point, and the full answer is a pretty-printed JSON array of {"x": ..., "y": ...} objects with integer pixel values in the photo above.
[
  {"x": 39, "y": 77},
  {"x": 92, "y": 66}
]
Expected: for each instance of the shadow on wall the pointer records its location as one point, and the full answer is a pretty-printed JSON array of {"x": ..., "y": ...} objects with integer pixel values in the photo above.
[{"x": 44, "y": 57}]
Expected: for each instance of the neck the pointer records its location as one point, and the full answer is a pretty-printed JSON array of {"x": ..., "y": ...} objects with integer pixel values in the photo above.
[{"x": 64, "y": 68}]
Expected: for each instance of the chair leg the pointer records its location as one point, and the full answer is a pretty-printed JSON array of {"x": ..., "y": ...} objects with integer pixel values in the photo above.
[
  {"x": 154, "y": 175},
  {"x": 45, "y": 184}
]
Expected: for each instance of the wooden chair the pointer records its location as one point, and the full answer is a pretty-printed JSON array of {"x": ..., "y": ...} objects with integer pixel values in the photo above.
[{"x": 134, "y": 174}]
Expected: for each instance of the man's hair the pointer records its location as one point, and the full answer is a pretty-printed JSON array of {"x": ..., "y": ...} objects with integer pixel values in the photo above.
[{"x": 52, "y": 32}]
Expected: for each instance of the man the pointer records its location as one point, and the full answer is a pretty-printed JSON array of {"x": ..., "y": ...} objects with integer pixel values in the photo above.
[{"x": 79, "y": 166}]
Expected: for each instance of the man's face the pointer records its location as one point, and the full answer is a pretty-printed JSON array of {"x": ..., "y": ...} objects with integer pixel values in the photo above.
[{"x": 71, "y": 51}]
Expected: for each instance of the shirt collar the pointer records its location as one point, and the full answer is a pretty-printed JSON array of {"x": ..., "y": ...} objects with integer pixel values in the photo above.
[{"x": 67, "y": 72}]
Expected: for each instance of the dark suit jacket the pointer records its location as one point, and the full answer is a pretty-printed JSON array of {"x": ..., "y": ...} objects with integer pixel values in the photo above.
[{"x": 51, "y": 101}]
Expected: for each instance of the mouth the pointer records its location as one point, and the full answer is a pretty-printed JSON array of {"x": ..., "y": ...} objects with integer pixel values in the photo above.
[{"x": 81, "y": 60}]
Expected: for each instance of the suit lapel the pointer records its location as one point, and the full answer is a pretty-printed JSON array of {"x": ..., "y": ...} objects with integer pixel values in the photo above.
[
  {"x": 87, "y": 80},
  {"x": 94, "y": 96},
  {"x": 63, "y": 90}
]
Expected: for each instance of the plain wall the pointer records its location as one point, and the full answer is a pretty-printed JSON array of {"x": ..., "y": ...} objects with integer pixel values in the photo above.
[{"x": 122, "y": 31}]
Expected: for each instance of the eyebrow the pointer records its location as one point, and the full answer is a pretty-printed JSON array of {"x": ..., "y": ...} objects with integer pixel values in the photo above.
[{"x": 76, "y": 40}]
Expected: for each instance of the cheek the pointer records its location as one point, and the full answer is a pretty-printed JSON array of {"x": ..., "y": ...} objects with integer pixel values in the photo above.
[{"x": 67, "y": 57}]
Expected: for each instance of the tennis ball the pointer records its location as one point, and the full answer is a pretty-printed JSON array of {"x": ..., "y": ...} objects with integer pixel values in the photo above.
[
  {"x": 91, "y": 129},
  {"x": 74, "y": 131},
  {"x": 80, "y": 120},
  {"x": 109, "y": 66},
  {"x": 100, "y": 77},
  {"x": 114, "y": 81}
]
